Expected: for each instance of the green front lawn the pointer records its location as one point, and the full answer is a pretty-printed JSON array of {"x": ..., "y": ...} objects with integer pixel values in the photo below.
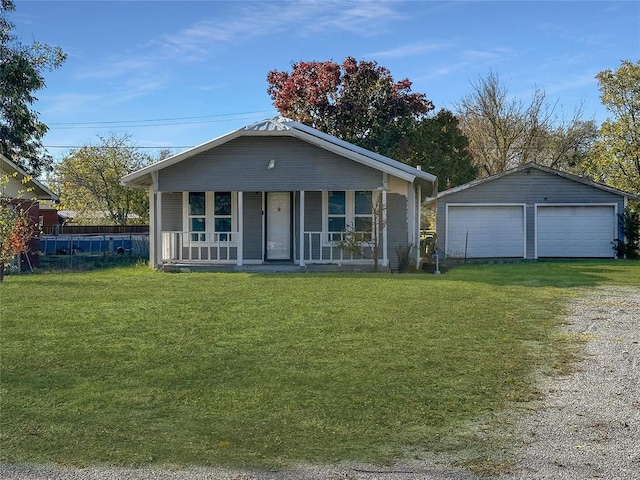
[{"x": 132, "y": 367}]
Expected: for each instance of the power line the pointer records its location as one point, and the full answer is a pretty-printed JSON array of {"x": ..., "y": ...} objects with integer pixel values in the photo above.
[
  {"x": 123, "y": 147},
  {"x": 161, "y": 119},
  {"x": 158, "y": 122}
]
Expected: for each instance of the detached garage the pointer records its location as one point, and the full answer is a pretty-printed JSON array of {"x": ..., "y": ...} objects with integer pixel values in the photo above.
[{"x": 529, "y": 212}]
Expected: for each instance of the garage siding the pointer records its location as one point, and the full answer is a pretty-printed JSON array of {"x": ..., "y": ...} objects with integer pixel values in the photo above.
[{"x": 530, "y": 187}]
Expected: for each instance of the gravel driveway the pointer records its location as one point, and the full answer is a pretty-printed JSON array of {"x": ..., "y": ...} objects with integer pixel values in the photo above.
[{"x": 586, "y": 427}]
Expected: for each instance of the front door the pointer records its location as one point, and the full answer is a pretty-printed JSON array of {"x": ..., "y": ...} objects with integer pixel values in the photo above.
[{"x": 278, "y": 226}]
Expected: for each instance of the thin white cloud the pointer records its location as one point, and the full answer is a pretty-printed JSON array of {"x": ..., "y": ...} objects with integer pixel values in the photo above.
[
  {"x": 68, "y": 103},
  {"x": 572, "y": 82},
  {"x": 290, "y": 19},
  {"x": 365, "y": 18},
  {"x": 410, "y": 50},
  {"x": 138, "y": 86},
  {"x": 117, "y": 68},
  {"x": 141, "y": 71},
  {"x": 475, "y": 56}
]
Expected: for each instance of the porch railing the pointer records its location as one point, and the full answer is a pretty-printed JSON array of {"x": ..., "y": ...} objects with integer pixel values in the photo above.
[
  {"x": 324, "y": 247},
  {"x": 319, "y": 247},
  {"x": 219, "y": 247}
]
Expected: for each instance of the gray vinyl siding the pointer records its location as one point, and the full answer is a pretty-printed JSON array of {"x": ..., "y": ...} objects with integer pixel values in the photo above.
[
  {"x": 252, "y": 232},
  {"x": 397, "y": 235},
  {"x": 535, "y": 187},
  {"x": 172, "y": 212},
  {"x": 241, "y": 165},
  {"x": 313, "y": 211},
  {"x": 312, "y": 219}
]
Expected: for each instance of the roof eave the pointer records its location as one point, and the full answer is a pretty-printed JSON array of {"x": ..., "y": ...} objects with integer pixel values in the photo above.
[{"x": 44, "y": 192}]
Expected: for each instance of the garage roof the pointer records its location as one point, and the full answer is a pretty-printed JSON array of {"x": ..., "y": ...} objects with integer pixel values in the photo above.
[{"x": 527, "y": 166}]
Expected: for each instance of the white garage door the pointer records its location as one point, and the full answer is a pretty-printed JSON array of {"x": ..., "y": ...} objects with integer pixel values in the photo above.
[
  {"x": 575, "y": 231},
  {"x": 485, "y": 231}
]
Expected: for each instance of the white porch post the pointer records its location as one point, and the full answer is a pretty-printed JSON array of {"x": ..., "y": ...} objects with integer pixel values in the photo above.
[
  {"x": 152, "y": 228},
  {"x": 411, "y": 213},
  {"x": 385, "y": 256},
  {"x": 155, "y": 223},
  {"x": 239, "y": 240},
  {"x": 158, "y": 249},
  {"x": 301, "y": 239},
  {"x": 419, "y": 224}
]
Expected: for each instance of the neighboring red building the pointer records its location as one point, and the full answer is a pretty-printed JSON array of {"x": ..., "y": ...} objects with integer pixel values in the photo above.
[{"x": 28, "y": 194}]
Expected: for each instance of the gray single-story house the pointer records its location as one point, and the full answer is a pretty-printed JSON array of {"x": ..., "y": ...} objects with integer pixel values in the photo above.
[
  {"x": 278, "y": 191},
  {"x": 531, "y": 211}
]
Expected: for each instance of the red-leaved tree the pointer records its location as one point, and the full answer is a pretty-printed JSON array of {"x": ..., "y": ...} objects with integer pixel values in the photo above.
[
  {"x": 359, "y": 102},
  {"x": 16, "y": 231}
]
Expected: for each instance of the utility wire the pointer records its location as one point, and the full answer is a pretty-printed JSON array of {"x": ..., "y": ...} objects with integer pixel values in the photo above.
[
  {"x": 160, "y": 119},
  {"x": 123, "y": 147},
  {"x": 152, "y": 122}
]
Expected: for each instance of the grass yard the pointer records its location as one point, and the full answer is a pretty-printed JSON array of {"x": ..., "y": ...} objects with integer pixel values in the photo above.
[{"x": 131, "y": 367}]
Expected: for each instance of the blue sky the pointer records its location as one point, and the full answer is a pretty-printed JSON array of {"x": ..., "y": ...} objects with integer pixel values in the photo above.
[{"x": 175, "y": 74}]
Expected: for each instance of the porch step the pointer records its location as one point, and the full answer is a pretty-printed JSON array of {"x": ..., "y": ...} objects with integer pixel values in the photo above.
[{"x": 263, "y": 268}]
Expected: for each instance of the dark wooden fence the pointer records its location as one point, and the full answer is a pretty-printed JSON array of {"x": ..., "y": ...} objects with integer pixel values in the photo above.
[{"x": 94, "y": 229}]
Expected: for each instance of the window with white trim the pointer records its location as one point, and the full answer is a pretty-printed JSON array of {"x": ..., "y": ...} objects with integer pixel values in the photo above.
[
  {"x": 209, "y": 216},
  {"x": 196, "y": 214},
  {"x": 222, "y": 218},
  {"x": 336, "y": 214},
  {"x": 348, "y": 209},
  {"x": 362, "y": 212}
]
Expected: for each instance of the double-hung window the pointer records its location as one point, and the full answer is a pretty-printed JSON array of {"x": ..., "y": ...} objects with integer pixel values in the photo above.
[
  {"x": 348, "y": 211},
  {"x": 196, "y": 214},
  {"x": 362, "y": 213},
  {"x": 336, "y": 214},
  {"x": 222, "y": 219},
  {"x": 209, "y": 216}
]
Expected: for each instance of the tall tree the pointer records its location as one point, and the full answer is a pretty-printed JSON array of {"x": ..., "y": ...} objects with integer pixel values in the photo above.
[
  {"x": 359, "y": 102},
  {"x": 439, "y": 147},
  {"x": 88, "y": 181},
  {"x": 615, "y": 157},
  {"x": 21, "y": 74},
  {"x": 505, "y": 132}
]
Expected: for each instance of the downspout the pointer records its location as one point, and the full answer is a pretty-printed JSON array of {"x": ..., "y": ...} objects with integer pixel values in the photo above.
[
  {"x": 240, "y": 239},
  {"x": 155, "y": 226},
  {"x": 301, "y": 238},
  {"x": 419, "y": 224},
  {"x": 385, "y": 186},
  {"x": 152, "y": 229}
]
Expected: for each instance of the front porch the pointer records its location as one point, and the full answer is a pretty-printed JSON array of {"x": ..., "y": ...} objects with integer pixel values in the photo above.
[
  {"x": 239, "y": 230},
  {"x": 198, "y": 251}
]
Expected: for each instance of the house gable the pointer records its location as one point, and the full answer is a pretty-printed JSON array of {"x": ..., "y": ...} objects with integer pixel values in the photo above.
[
  {"x": 531, "y": 185},
  {"x": 284, "y": 128},
  {"x": 268, "y": 164}
]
